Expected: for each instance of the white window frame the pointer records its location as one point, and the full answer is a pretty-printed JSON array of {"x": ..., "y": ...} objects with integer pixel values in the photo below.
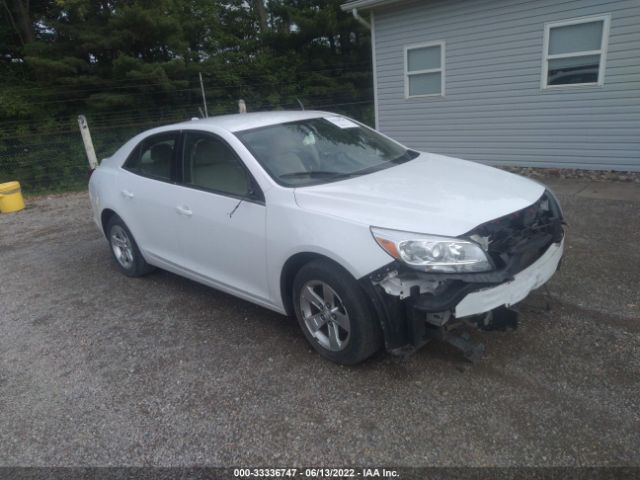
[
  {"x": 602, "y": 51},
  {"x": 414, "y": 46}
]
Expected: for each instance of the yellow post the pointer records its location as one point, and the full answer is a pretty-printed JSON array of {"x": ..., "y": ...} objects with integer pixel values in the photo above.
[{"x": 11, "y": 197}]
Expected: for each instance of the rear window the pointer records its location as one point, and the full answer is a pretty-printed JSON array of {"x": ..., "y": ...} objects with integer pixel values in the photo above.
[{"x": 154, "y": 156}]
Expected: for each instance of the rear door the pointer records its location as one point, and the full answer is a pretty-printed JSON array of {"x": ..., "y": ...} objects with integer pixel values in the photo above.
[
  {"x": 147, "y": 186},
  {"x": 223, "y": 216}
]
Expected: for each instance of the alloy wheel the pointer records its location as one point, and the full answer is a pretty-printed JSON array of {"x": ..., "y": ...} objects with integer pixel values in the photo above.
[
  {"x": 122, "y": 246},
  {"x": 325, "y": 315}
]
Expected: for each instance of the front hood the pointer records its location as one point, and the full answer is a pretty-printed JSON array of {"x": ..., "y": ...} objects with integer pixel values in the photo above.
[{"x": 431, "y": 194}]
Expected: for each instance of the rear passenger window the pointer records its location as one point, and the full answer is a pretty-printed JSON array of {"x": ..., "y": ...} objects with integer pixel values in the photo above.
[
  {"x": 209, "y": 163},
  {"x": 154, "y": 156}
]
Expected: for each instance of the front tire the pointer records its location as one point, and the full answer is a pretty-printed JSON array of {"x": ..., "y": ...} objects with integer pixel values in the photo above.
[
  {"x": 334, "y": 313},
  {"x": 124, "y": 249}
]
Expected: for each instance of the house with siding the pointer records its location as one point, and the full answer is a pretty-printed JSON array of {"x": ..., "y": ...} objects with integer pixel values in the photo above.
[{"x": 541, "y": 83}]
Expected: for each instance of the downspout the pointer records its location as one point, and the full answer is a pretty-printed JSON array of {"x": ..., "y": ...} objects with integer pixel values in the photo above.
[
  {"x": 357, "y": 16},
  {"x": 371, "y": 27}
]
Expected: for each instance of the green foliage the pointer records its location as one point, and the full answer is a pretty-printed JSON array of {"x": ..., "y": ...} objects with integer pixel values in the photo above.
[{"x": 129, "y": 65}]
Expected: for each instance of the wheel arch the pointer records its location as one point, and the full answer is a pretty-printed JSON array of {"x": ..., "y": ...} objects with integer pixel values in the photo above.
[
  {"x": 106, "y": 215},
  {"x": 291, "y": 267},
  {"x": 289, "y": 270}
]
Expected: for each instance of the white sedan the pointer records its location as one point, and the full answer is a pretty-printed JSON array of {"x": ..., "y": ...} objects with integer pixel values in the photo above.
[{"x": 367, "y": 242}]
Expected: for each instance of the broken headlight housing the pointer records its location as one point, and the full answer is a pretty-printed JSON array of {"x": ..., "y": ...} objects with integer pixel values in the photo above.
[{"x": 432, "y": 253}]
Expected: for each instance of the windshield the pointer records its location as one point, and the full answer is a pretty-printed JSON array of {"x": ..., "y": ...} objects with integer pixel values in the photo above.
[{"x": 321, "y": 150}]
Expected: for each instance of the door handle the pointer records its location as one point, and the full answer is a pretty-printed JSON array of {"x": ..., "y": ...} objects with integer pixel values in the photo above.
[
  {"x": 126, "y": 193},
  {"x": 184, "y": 211}
]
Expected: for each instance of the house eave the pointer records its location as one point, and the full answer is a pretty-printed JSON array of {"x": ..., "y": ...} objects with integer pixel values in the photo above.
[{"x": 367, "y": 4}]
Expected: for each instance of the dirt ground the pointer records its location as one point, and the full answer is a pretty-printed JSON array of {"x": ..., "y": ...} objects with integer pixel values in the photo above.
[{"x": 100, "y": 369}]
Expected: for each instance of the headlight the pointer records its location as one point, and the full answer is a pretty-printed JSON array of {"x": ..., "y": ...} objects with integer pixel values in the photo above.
[{"x": 431, "y": 253}]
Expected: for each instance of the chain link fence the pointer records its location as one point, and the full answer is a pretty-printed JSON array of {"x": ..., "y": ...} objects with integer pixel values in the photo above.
[
  {"x": 52, "y": 158},
  {"x": 49, "y": 160}
]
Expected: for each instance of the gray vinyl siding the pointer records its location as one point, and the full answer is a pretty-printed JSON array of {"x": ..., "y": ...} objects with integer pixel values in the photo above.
[{"x": 495, "y": 110}]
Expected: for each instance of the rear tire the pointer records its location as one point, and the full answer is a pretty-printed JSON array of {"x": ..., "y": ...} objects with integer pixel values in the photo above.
[
  {"x": 334, "y": 314},
  {"x": 124, "y": 249}
]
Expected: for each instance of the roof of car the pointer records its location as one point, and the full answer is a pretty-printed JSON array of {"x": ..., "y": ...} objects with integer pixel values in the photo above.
[{"x": 246, "y": 121}]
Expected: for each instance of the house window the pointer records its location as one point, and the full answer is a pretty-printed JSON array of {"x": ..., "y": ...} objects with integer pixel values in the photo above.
[
  {"x": 424, "y": 70},
  {"x": 575, "y": 52}
]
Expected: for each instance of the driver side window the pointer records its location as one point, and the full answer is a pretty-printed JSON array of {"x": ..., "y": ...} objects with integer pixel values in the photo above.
[{"x": 210, "y": 164}]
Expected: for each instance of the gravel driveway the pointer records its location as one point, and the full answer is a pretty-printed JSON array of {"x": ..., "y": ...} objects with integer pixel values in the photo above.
[{"x": 100, "y": 369}]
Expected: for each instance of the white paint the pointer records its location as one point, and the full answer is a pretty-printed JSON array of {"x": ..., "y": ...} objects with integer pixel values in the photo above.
[
  {"x": 516, "y": 290},
  {"x": 432, "y": 194},
  {"x": 244, "y": 254}
]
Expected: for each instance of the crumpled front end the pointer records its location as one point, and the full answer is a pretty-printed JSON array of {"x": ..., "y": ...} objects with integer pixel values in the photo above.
[{"x": 414, "y": 306}]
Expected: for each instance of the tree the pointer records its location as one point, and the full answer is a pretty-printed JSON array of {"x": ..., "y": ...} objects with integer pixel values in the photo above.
[
  {"x": 130, "y": 64},
  {"x": 262, "y": 15},
  {"x": 20, "y": 19}
]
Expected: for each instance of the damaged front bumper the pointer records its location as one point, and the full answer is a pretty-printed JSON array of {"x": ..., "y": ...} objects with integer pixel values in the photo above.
[
  {"x": 515, "y": 290},
  {"x": 416, "y": 306}
]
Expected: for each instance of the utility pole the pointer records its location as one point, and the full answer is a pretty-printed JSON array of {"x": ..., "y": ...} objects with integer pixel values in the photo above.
[{"x": 204, "y": 99}]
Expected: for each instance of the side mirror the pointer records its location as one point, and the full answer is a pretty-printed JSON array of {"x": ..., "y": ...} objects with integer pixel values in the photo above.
[{"x": 254, "y": 192}]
